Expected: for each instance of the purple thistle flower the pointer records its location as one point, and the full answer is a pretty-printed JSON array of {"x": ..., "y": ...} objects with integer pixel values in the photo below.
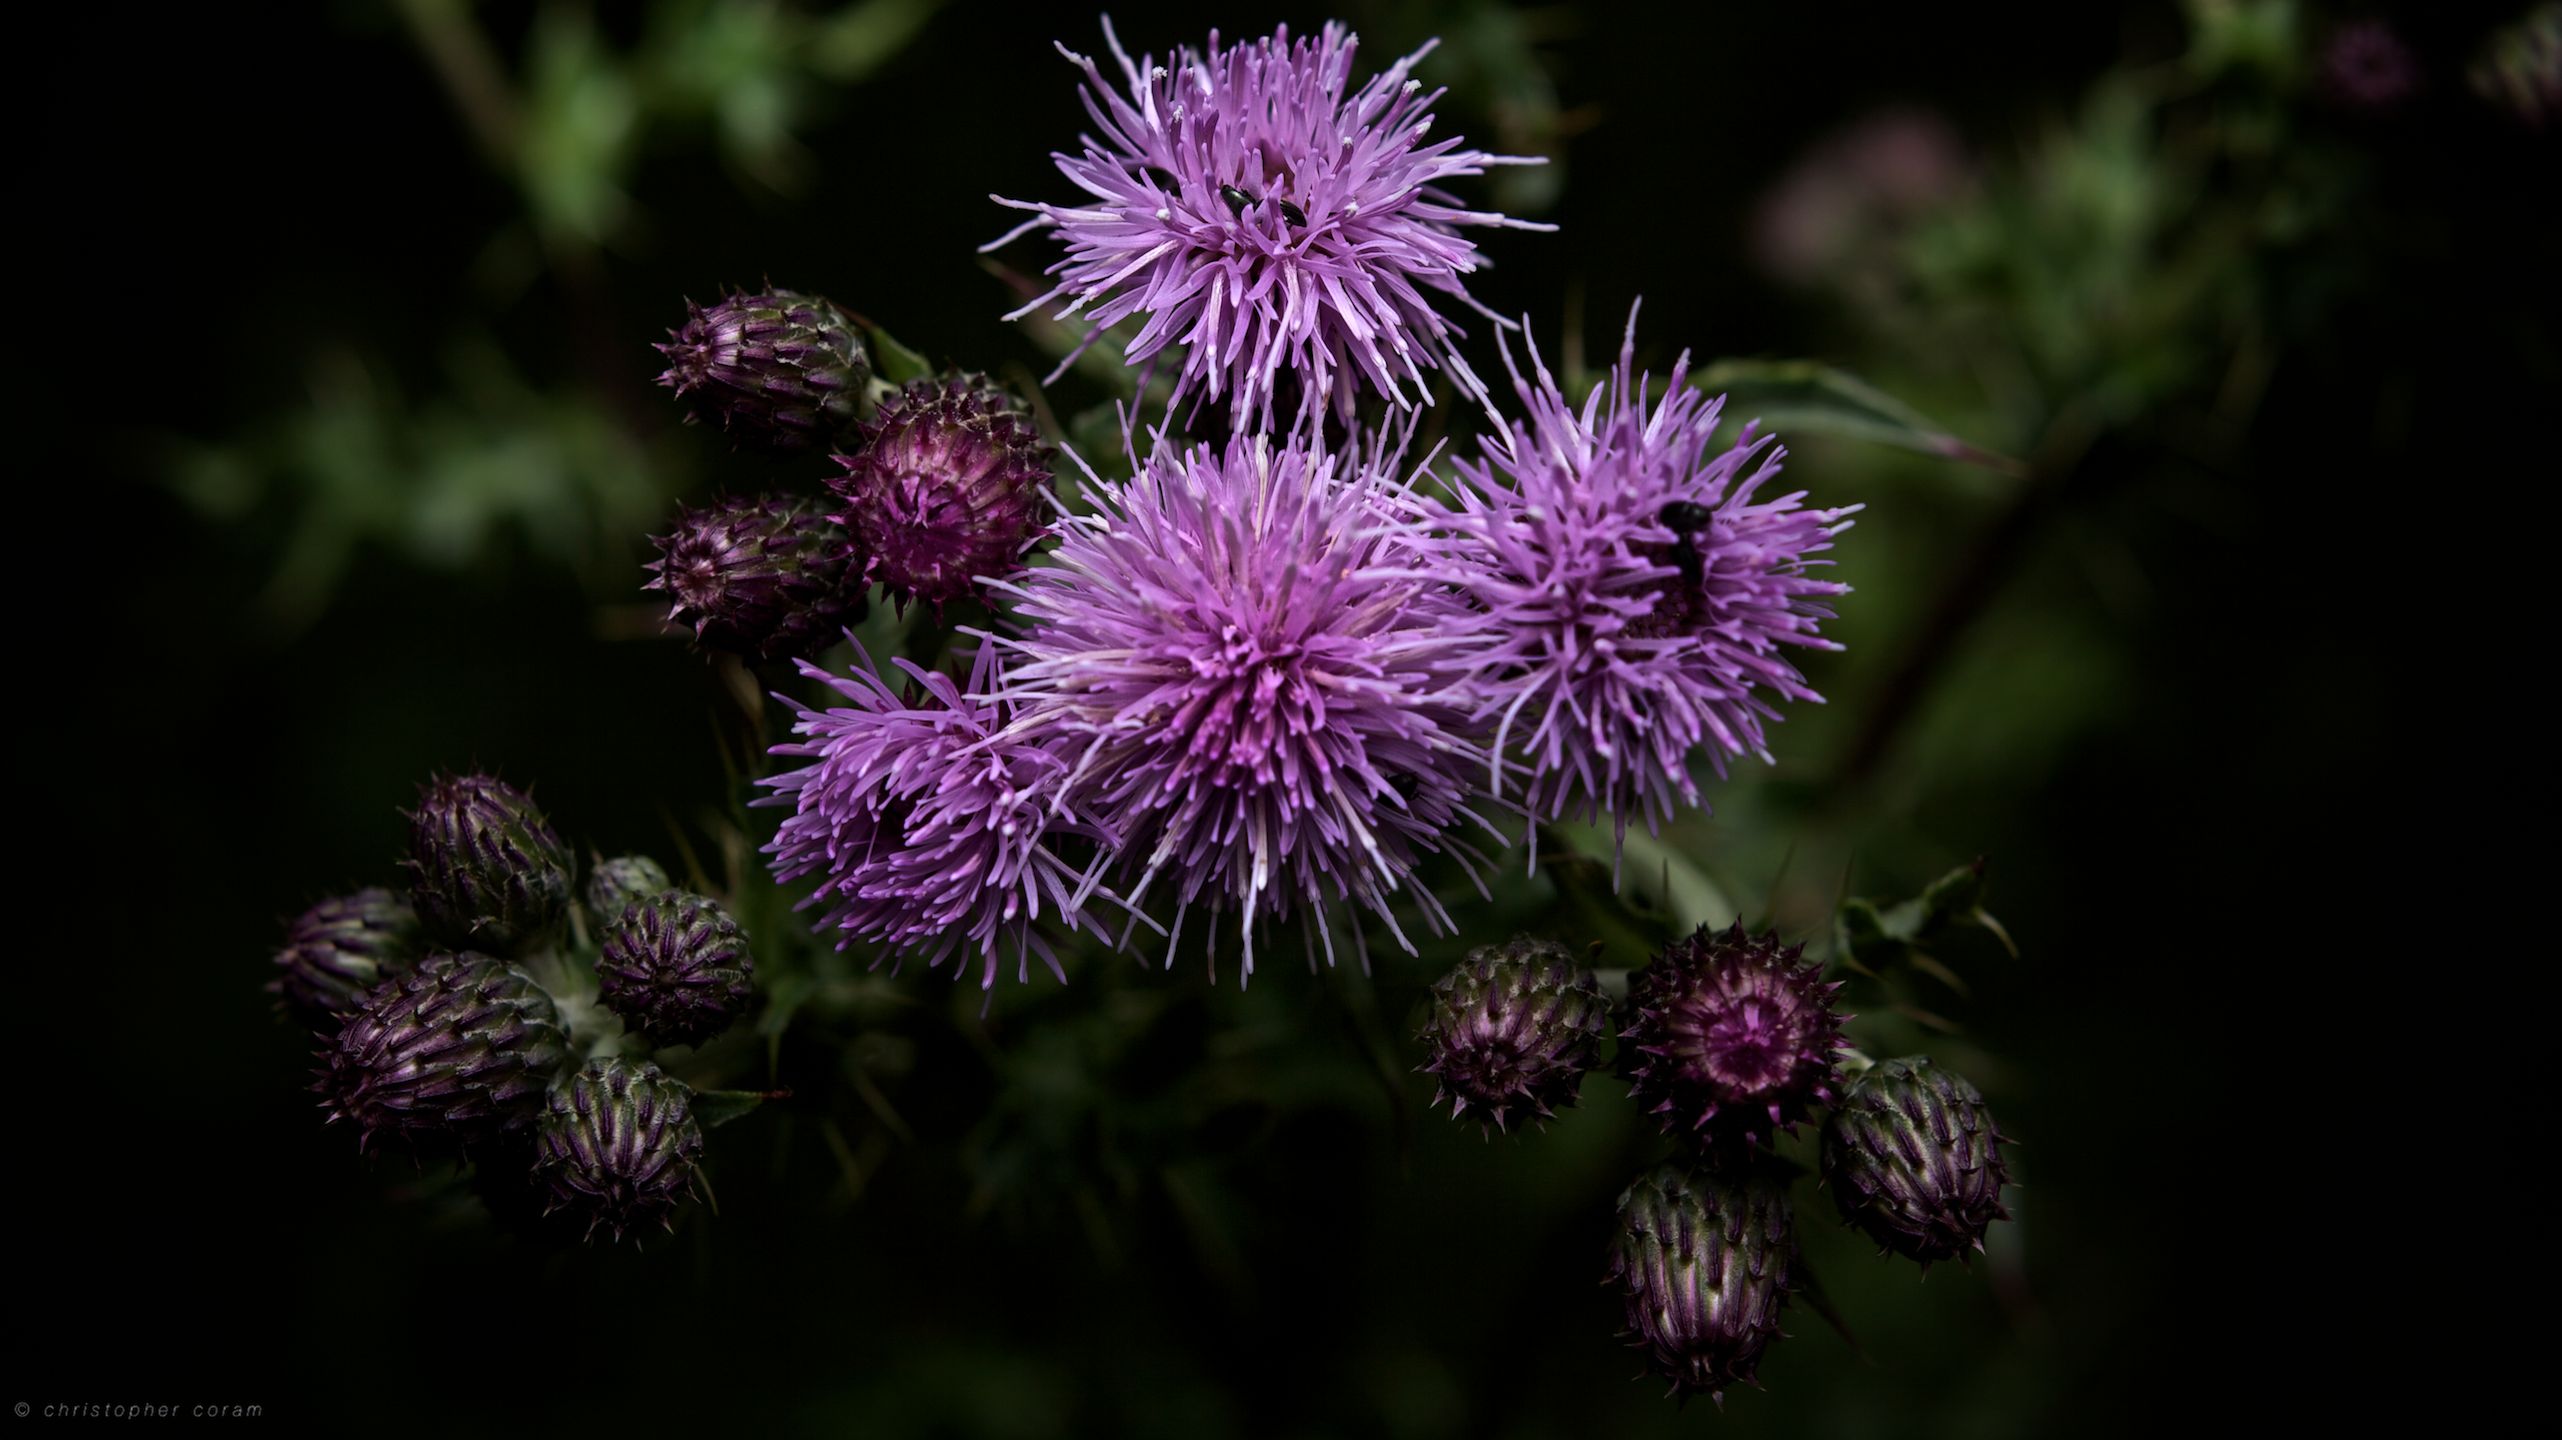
[
  {"x": 927, "y": 820},
  {"x": 1635, "y": 588},
  {"x": 1255, "y": 686},
  {"x": 1263, "y": 215}
]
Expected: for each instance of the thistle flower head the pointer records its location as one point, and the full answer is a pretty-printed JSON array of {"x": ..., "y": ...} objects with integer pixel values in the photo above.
[
  {"x": 486, "y": 868},
  {"x": 951, "y": 483},
  {"x": 1729, "y": 1036},
  {"x": 460, "y": 1048},
  {"x": 613, "y": 884},
  {"x": 1914, "y": 1160},
  {"x": 778, "y": 370},
  {"x": 1513, "y": 1029},
  {"x": 675, "y": 967},
  {"x": 1638, "y": 586},
  {"x": 340, "y": 949},
  {"x": 930, "y": 822},
  {"x": 617, "y": 1146},
  {"x": 1261, "y": 213},
  {"x": 1703, "y": 1262},
  {"x": 763, "y": 576},
  {"x": 1252, "y": 686}
]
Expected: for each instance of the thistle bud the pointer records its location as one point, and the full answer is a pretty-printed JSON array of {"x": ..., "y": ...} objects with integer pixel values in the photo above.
[
  {"x": 675, "y": 967},
  {"x": 617, "y": 1146},
  {"x": 1914, "y": 1160},
  {"x": 460, "y": 1048},
  {"x": 486, "y": 869},
  {"x": 615, "y": 883},
  {"x": 781, "y": 371},
  {"x": 1730, "y": 1037},
  {"x": 1513, "y": 1029},
  {"x": 1703, "y": 1263},
  {"x": 766, "y": 577},
  {"x": 951, "y": 483},
  {"x": 341, "y": 948}
]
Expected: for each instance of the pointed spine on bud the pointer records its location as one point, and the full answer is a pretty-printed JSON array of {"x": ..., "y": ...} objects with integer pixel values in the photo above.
[
  {"x": 618, "y": 1146},
  {"x": 486, "y": 869},
  {"x": 778, "y": 371},
  {"x": 1704, "y": 1263},
  {"x": 675, "y": 966},
  {"x": 1513, "y": 1028},
  {"x": 460, "y": 1049},
  {"x": 1914, "y": 1161},
  {"x": 337, "y": 951}
]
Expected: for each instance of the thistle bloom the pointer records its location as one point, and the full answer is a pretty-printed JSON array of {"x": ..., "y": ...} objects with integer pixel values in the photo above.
[
  {"x": 1637, "y": 588},
  {"x": 1252, "y": 684},
  {"x": 1263, "y": 215},
  {"x": 927, "y": 821}
]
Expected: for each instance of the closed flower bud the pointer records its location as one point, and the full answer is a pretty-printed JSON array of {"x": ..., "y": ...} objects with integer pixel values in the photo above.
[
  {"x": 617, "y": 1146},
  {"x": 779, "y": 371},
  {"x": 1513, "y": 1029},
  {"x": 1914, "y": 1160},
  {"x": 1703, "y": 1263},
  {"x": 1730, "y": 1037},
  {"x": 340, "y": 949},
  {"x": 618, "y": 882},
  {"x": 486, "y": 869},
  {"x": 767, "y": 576},
  {"x": 461, "y": 1048},
  {"x": 951, "y": 483},
  {"x": 675, "y": 967}
]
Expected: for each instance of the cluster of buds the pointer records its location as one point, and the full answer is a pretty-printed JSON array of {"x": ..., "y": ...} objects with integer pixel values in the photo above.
[
  {"x": 473, "y": 1017},
  {"x": 1729, "y": 1041},
  {"x": 939, "y": 484}
]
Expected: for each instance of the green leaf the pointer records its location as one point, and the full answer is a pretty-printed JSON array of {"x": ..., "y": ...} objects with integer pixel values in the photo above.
[
  {"x": 1809, "y": 397},
  {"x": 713, "y": 1108},
  {"x": 891, "y": 360}
]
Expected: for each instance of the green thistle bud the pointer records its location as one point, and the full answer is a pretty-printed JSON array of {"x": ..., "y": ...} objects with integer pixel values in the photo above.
[
  {"x": 461, "y": 1048},
  {"x": 339, "y": 950},
  {"x": 1513, "y": 1029},
  {"x": 617, "y": 1147},
  {"x": 618, "y": 882},
  {"x": 1703, "y": 1262},
  {"x": 1914, "y": 1161},
  {"x": 486, "y": 869}
]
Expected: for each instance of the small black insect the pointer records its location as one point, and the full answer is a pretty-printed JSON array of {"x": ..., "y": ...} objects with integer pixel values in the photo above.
[
  {"x": 1293, "y": 213},
  {"x": 1237, "y": 199},
  {"x": 1685, "y": 518}
]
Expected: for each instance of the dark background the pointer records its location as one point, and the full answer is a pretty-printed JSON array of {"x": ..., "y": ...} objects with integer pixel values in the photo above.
[{"x": 2254, "y": 928}]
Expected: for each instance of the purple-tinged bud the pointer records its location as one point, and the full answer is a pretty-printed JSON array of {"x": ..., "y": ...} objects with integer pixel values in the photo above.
[
  {"x": 767, "y": 576},
  {"x": 952, "y": 483},
  {"x": 2365, "y": 66},
  {"x": 340, "y": 949},
  {"x": 617, "y": 1147},
  {"x": 675, "y": 967},
  {"x": 780, "y": 371},
  {"x": 1914, "y": 1160},
  {"x": 1513, "y": 1029},
  {"x": 486, "y": 869},
  {"x": 615, "y": 883},
  {"x": 461, "y": 1048},
  {"x": 1703, "y": 1263},
  {"x": 1730, "y": 1037}
]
